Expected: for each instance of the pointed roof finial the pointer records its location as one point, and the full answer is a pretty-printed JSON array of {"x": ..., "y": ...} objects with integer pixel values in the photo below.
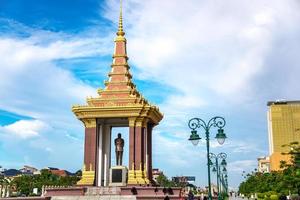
[{"x": 120, "y": 29}]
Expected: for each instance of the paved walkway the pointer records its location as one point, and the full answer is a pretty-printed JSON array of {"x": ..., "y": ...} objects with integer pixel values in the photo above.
[{"x": 237, "y": 198}]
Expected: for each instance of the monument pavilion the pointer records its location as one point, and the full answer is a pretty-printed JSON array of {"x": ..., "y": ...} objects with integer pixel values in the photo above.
[{"x": 119, "y": 104}]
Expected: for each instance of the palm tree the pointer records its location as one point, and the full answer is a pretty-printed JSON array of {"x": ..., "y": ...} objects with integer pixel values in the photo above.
[{"x": 4, "y": 183}]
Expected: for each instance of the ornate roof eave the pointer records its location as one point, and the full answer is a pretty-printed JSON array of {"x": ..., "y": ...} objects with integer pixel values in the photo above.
[{"x": 146, "y": 111}]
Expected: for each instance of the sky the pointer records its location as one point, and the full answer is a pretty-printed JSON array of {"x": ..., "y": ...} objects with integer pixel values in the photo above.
[{"x": 191, "y": 58}]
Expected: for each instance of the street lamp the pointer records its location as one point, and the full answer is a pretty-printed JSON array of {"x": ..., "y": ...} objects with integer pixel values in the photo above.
[
  {"x": 224, "y": 179},
  {"x": 197, "y": 123},
  {"x": 217, "y": 168}
]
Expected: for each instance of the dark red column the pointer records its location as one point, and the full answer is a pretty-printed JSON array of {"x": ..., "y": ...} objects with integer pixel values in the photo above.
[
  {"x": 145, "y": 139},
  {"x": 138, "y": 147},
  {"x": 90, "y": 148}
]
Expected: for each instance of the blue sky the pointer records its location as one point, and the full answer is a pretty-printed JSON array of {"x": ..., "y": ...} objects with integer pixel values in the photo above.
[{"x": 192, "y": 59}]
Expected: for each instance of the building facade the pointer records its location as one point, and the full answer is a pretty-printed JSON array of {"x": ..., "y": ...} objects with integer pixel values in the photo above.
[
  {"x": 263, "y": 164},
  {"x": 28, "y": 170},
  {"x": 156, "y": 173},
  {"x": 184, "y": 179},
  {"x": 283, "y": 128}
]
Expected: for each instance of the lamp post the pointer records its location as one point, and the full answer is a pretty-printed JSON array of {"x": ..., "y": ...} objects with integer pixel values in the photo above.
[
  {"x": 224, "y": 180},
  {"x": 197, "y": 123},
  {"x": 217, "y": 168},
  {"x": 224, "y": 176}
]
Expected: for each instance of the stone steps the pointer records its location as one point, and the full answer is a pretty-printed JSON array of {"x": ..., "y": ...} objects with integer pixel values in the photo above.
[{"x": 92, "y": 191}]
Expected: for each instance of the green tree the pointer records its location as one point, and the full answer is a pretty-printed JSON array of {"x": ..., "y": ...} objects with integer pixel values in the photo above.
[
  {"x": 280, "y": 182},
  {"x": 163, "y": 181},
  {"x": 26, "y": 183}
]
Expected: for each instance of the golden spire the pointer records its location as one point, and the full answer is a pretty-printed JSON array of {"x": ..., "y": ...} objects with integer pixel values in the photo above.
[{"x": 120, "y": 29}]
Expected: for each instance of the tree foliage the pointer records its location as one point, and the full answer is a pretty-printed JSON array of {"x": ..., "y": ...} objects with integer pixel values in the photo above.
[
  {"x": 276, "y": 182},
  {"x": 163, "y": 181},
  {"x": 25, "y": 184}
]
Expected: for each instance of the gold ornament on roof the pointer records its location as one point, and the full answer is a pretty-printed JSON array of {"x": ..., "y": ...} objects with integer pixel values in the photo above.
[{"x": 120, "y": 29}]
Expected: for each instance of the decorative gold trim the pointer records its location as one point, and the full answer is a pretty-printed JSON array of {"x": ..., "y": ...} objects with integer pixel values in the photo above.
[
  {"x": 132, "y": 176},
  {"x": 139, "y": 122},
  {"x": 88, "y": 177},
  {"x": 115, "y": 91},
  {"x": 127, "y": 74},
  {"x": 139, "y": 176},
  {"x": 125, "y": 65},
  {"x": 129, "y": 82},
  {"x": 120, "y": 39},
  {"x": 145, "y": 174},
  {"x": 120, "y": 56},
  {"x": 145, "y": 122},
  {"x": 146, "y": 180},
  {"x": 89, "y": 123},
  {"x": 120, "y": 32},
  {"x": 113, "y": 111},
  {"x": 132, "y": 124}
]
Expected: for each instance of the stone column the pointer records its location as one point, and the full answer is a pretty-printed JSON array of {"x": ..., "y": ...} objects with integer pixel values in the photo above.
[
  {"x": 149, "y": 152},
  {"x": 106, "y": 153},
  {"x": 139, "y": 150},
  {"x": 145, "y": 136},
  {"x": 132, "y": 167},
  {"x": 99, "y": 174},
  {"x": 90, "y": 144},
  {"x": 131, "y": 144}
]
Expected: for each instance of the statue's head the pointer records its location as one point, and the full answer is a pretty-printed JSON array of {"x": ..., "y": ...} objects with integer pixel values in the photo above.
[{"x": 119, "y": 135}]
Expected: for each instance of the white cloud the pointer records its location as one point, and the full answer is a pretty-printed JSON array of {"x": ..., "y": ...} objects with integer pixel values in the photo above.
[
  {"x": 206, "y": 47},
  {"x": 174, "y": 151},
  {"x": 28, "y": 70},
  {"x": 242, "y": 165},
  {"x": 32, "y": 84},
  {"x": 25, "y": 128}
]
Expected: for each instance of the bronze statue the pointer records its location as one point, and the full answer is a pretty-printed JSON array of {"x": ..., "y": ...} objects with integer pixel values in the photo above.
[{"x": 119, "y": 143}]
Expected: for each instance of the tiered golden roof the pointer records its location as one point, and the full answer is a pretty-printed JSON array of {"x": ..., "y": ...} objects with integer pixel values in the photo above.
[{"x": 119, "y": 98}]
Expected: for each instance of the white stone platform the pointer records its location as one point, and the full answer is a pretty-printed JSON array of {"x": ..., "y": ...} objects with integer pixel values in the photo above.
[{"x": 103, "y": 191}]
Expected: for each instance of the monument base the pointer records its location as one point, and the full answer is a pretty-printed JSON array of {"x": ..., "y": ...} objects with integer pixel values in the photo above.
[
  {"x": 113, "y": 193},
  {"x": 118, "y": 176}
]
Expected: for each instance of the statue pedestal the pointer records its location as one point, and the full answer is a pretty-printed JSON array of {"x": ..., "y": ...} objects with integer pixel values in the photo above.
[{"x": 118, "y": 176}]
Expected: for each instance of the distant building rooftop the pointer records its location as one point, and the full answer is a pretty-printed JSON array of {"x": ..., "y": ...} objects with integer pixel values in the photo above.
[
  {"x": 282, "y": 102},
  {"x": 184, "y": 179},
  {"x": 11, "y": 173},
  {"x": 51, "y": 168},
  {"x": 263, "y": 158},
  {"x": 61, "y": 172},
  {"x": 28, "y": 169}
]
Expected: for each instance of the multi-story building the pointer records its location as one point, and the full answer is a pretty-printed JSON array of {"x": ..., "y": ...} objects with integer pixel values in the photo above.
[
  {"x": 263, "y": 164},
  {"x": 283, "y": 128},
  {"x": 156, "y": 173},
  {"x": 184, "y": 179},
  {"x": 28, "y": 170},
  {"x": 1, "y": 170}
]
